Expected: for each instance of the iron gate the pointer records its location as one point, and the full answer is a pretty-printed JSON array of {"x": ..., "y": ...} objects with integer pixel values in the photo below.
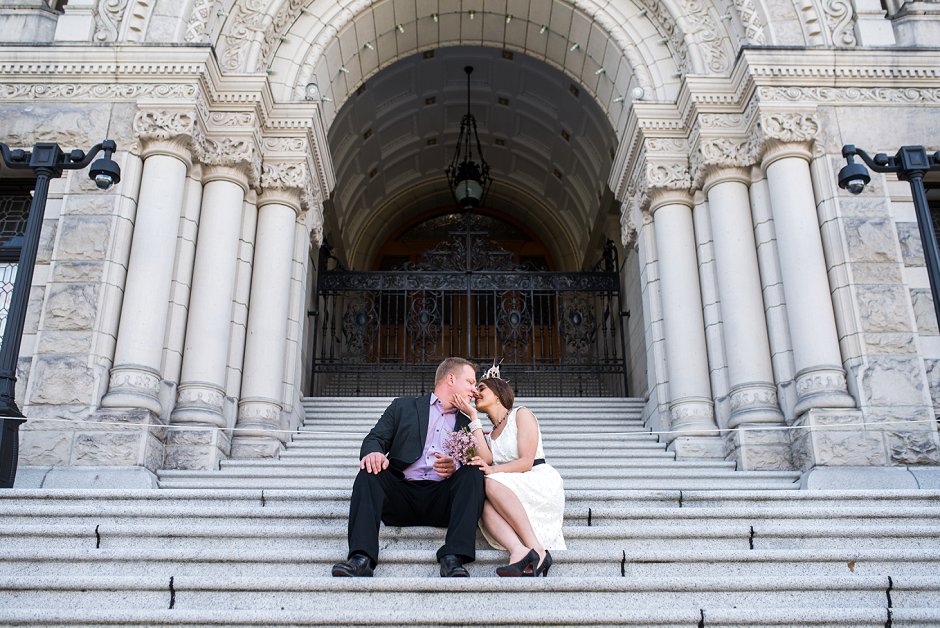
[{"x": 385, "y": 332}]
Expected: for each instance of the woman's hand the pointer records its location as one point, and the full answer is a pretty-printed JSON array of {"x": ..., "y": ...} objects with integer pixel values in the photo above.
[
  {"x": 477, "y": 461},
  {"x": 464, "y": 406}
]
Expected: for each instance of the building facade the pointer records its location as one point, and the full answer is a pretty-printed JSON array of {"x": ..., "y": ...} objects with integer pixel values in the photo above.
[{"x": 775, "y": 319}]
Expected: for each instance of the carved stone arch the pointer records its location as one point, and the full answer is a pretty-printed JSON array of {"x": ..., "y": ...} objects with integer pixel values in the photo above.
[{"x": 291, "y": 38}]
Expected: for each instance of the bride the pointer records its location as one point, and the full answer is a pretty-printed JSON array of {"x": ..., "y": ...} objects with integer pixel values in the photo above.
[{"x": 525, "y": 498}]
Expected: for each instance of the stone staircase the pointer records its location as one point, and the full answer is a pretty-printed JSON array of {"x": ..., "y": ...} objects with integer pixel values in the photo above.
[{"x": 653, "y": 541}]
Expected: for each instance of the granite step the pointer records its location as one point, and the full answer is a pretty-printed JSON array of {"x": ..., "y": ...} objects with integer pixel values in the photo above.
[
  {"x": 611, "y": 562},
  {"x": 443, "y": 596}
]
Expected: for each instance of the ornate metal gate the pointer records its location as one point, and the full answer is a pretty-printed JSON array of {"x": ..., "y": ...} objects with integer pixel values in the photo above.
[{"x": 384, "y": 332}]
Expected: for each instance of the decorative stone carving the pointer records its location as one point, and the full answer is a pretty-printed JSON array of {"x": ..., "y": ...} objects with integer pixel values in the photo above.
[
  {"x": 138, "y": 16},
  {"x": 750, "y": 398},
  {"x": 789, "y": 126},
  {"x": 197, "y": 26},
  {"x": 95, "y": 91},
  {"x": 840, "y": 17},
  {"x": 236, "y": 152},
  {"x": 754, "y": 32},
  {"x": 164, "y": 125},
  {"x": 247, "y": 20},
  {"x": 666, "y": 24},
  {"x": 108, "y": 18},
  {"x": 907, "y": 95}
]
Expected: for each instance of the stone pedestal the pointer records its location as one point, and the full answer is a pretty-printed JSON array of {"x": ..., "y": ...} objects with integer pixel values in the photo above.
[
  {"x": 196, "y": 448},
  {"x": 120, "y": 437},
  {"x": 756, "y": 448},
  {"x": 697, "y": 447},
  {"x": 838, "y": 437}
]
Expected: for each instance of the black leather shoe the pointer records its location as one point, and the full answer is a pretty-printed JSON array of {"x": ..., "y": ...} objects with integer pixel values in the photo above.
[
  {"x": 452, "y": 567},
  {"x": 356, "y": 566}
]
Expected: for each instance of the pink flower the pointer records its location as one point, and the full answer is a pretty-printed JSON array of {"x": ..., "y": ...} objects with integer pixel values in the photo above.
[{"x": 461, "y": 446}]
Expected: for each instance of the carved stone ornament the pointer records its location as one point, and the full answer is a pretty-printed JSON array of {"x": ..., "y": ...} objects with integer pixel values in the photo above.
[
  {"x": 789, "y": 127},
  {"x": 96, "y": 91},
  {"x": 246, "y": 22},
  {"x": 668, "y": 176},
  {"x": 840, "y": 18},
  {"x": 198, "y": 26},
  {"x": 901, "y": 96},
  {"x": 108, "y": 18},
  {"x": 164, "y": 125}
]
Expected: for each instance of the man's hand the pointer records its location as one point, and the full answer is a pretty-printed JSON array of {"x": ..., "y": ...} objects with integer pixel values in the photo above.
[
  {"x": 444, "y": 466},
  {"x": 374, "y": 463}
]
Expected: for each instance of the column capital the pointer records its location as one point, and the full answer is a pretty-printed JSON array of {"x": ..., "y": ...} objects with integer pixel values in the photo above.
[
  {"x": 726, "y": 175},
  {"x": 235, "y": 175},
  {"x": 783, "y": 134},
  {"x": 291, "y": 179},
  {"x": 661, "y": 198},
  {"x": 167, "y": 132},
  {"x": 231, "y": 154}
]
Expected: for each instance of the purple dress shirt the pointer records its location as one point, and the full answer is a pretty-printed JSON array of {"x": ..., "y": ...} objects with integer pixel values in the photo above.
[{"x": 440, "y": 426}]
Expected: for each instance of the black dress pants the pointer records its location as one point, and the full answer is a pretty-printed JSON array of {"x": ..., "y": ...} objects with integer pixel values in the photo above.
[{"x": 455, "y": 503}]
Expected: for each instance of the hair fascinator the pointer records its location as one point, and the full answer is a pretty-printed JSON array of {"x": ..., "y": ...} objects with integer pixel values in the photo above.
[{"x": 493, "y": 371}]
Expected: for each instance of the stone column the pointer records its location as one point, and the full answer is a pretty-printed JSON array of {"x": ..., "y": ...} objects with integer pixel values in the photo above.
[
  {"x": 135, "y": 377},
  {"x": 747, "y": 348},
  {"x": 201, "y": 391},
  {"x": 820, "y": 378},
  {"x": 691, "y": 407},
  {"x": 259, "y": 427}
]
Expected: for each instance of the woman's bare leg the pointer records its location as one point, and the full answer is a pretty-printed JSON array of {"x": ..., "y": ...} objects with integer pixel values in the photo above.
[
  {"x": 503, "y": 533},
  {"x": 510, "y": 510}
]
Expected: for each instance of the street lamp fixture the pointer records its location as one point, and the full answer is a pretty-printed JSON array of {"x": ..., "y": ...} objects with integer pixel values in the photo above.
[
  {"x": 910, "y": 164},
  {"x": 468, "y": 180},
  {"x": 47, "y": 161}
]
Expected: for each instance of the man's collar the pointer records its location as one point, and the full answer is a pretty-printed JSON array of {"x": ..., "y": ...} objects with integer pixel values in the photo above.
[{"x": 435, "y": 399}]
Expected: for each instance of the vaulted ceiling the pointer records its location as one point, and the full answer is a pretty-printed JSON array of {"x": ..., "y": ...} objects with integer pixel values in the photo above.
[{"x": 548, "y": 143}]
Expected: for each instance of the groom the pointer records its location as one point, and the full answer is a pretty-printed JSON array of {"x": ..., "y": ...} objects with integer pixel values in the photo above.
[{"x": 405, "y": 479}]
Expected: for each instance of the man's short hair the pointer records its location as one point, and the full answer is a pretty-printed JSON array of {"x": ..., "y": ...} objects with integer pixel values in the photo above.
[{"x": 451, "y": 365}]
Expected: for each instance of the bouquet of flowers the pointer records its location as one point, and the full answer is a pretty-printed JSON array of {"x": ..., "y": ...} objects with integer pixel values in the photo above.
[{"x": 461, "y": 446}]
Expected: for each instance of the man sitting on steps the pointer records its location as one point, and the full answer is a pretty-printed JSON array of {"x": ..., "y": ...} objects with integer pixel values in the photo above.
[{"x": 405, "y": 479}]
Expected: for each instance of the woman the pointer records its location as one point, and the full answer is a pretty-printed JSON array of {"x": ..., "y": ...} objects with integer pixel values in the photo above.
[{"x": 525, "y": 497}]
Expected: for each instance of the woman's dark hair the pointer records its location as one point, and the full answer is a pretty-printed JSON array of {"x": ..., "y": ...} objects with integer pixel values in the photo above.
[{"x": 502, "y": 390}]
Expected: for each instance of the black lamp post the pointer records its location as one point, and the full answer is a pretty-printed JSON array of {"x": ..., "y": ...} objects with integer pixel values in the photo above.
[
  {"x": 910, "y": 163},
  {"x": 47, "y": 161},
  {"x": 468, "y": 180}
]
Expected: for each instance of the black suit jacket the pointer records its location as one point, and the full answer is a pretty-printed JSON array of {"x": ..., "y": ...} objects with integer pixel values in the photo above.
[{"x": 401, "y": 432}]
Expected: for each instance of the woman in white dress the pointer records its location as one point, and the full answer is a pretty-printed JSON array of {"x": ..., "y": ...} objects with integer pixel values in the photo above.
[{"x": 525, "y": 496}]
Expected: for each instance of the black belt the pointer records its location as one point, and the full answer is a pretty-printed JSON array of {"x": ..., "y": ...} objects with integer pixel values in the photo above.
[{"x": 538, "y": 461}]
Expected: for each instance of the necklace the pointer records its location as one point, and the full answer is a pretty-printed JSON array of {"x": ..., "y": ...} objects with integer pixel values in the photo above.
[{"x": 500, "y": 422}]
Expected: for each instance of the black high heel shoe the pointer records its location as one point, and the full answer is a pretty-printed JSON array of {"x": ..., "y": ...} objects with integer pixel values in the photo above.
[
  {"x": 524, "y": 567},
  {"x": 542, "y": 569}
]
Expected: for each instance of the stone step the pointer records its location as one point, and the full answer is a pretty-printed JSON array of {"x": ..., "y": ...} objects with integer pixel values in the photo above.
[
  {"x": 310, "y": 459},
  {"x": 398, "y": 596},
  {"x": 238, "y": 536},
  {"x": 351, "y": 452},
  {"x": 569, "y": 448},
  {"x": 293, "y": 470},
  {"x": 676, "y": 502},
  {"x": 672, "y": 616},
  {"x": 219, "y": 481},
  {"x": 335, "y": 509},
  {"x": 400, "y": 563}
]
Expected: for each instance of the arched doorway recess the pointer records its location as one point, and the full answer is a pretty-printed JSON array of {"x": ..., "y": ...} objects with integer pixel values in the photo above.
[{"x": 550, "y": 149}]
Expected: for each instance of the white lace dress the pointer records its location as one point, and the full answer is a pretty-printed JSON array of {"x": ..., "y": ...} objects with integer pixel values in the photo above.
[{"x": 540, "y": 490}]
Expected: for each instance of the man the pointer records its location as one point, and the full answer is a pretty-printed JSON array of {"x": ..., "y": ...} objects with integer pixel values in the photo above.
[{"x": 405, "y": 479}]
